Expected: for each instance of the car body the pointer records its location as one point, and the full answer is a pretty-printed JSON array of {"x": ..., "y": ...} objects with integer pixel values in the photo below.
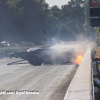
[{"x": 46, "y": 56}]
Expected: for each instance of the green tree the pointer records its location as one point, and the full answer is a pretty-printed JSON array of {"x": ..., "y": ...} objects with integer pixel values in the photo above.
[
  {"x": 65, "y": 33},
  {"x": 97, "y": 30},
  {"x": 26, "y": 19},
  {"x": 89, "y": 31}
]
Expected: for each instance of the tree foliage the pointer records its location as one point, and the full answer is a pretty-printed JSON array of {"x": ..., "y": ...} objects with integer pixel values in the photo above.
[
  {"x": 89, "y": 31},
  {"x": 25, "y": 20}
]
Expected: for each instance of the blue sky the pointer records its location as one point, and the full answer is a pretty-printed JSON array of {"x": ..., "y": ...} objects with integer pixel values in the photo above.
[{"x": 56, "y": 2}]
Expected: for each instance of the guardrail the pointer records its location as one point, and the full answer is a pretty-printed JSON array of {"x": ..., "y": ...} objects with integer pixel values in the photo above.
[
  {"x": 81, "y": 87},
  {"x": 6, "y": 52},
  {"x": 2, "y": 51}
]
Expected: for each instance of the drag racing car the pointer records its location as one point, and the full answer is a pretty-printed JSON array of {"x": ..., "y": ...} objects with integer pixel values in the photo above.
[{"x": 46, "y": 56}]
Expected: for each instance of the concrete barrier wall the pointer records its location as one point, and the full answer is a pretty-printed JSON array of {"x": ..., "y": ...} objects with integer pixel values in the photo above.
[{"x": 81, "y": 85}]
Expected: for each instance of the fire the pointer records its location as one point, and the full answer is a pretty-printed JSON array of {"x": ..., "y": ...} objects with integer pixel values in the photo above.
[{"x": 78, "y": 59}]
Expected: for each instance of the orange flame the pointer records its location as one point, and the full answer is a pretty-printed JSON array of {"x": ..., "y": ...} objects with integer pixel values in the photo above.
[{"x": 78, "y": 59}]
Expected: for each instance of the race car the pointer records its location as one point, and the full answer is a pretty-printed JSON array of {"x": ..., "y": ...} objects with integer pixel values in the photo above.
[{"x": 46, "y": 56}]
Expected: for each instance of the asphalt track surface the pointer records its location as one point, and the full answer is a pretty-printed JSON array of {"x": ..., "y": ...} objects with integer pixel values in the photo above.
[{"x": 50, "y": 81}]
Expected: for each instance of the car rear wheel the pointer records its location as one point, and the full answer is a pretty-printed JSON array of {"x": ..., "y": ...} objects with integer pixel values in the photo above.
[{"x": 33, "y": 61}]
